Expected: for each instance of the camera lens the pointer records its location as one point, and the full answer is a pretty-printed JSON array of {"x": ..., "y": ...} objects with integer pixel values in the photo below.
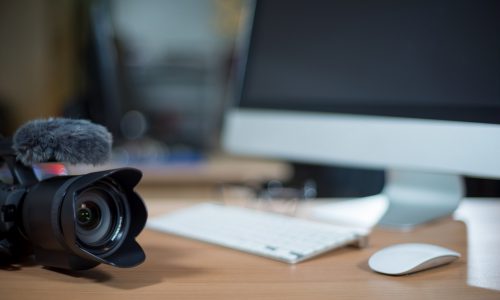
[
  {"x": 77, "y": 222},
  {"x": 101, "y": 217},
  {"x": 88, "y": 215}
]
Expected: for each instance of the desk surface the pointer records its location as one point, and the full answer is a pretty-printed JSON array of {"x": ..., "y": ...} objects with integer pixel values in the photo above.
[{"x": 178, "y": 268}]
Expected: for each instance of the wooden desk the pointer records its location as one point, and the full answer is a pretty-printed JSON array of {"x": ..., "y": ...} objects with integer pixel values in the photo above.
[{"x": 178, "y": 268}]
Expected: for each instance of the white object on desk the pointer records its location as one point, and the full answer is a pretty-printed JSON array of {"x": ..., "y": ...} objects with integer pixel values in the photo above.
[
  {"x": 358, "y": 213},
  {"x": 271, "y": 235},
  {"x": 409, "y": 258}
]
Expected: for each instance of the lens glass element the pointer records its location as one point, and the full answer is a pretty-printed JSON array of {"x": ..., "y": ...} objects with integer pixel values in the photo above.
[
  {"x": 101, "y": 214},
  {"x": 88, "y": 215}
]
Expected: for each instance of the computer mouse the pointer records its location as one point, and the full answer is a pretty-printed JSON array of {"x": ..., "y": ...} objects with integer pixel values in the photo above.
[{"x": 409, "y": 258}]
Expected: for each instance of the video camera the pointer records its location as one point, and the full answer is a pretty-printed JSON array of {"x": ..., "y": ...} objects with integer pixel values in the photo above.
[{"x": 68, "y": 222}]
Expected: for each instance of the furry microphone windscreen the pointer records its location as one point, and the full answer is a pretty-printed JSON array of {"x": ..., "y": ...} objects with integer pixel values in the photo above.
[{"x": 64, "y": 140}]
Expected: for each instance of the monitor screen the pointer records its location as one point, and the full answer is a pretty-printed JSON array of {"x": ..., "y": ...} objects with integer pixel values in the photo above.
[
  {"x": 419, "y": 59},
  {"x": 411, "y": 87}
]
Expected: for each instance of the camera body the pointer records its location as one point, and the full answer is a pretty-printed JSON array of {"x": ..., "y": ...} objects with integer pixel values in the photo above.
[{"x": 69, "y": 222}]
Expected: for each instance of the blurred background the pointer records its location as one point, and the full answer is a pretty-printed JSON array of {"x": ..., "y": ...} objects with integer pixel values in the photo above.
[{"x": 156, "y": 73}]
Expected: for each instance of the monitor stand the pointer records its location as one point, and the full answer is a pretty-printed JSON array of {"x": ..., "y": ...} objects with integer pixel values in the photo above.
[{"x": 417, "y": 197}]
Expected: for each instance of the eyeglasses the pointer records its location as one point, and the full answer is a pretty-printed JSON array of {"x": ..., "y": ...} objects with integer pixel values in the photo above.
[{"x": 272, "y": 196}]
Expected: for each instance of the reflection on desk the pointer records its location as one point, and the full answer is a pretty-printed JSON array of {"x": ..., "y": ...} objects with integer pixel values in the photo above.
[{"x": 178, "y": 268}]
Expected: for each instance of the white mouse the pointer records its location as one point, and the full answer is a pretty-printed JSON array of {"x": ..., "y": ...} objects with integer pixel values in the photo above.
[{"x": 409, "y": 258}]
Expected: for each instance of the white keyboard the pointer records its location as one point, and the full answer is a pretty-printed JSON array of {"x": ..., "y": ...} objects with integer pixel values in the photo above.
[{"x": 271, "y": 235}]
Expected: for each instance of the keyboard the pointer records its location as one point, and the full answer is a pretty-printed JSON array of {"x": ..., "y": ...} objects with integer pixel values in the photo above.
[{"x": 280, "y": 237}]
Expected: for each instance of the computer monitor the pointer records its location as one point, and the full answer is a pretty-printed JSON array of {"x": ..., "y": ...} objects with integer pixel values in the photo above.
[{"x": 412, "y": 87}]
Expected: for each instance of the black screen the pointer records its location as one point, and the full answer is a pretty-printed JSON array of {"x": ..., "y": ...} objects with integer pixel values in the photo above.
[{"x": 436, "y": 59}]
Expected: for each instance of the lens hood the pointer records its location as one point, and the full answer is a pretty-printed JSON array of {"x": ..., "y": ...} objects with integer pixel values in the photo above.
[{"x": 55, "y": 212}]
